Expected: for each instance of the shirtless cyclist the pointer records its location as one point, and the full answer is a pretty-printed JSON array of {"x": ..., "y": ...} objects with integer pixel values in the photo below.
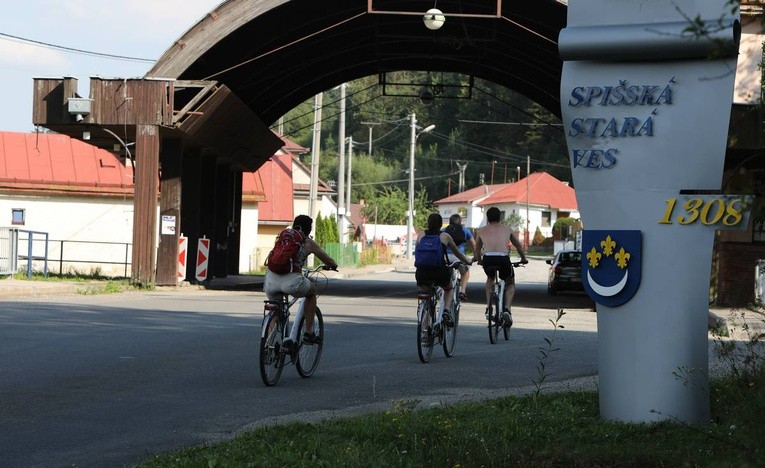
[{"x": 492, "y": 252}]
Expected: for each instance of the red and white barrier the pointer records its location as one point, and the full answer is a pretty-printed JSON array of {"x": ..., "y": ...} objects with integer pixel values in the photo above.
[
  {"x": 183, "y": 249},
  {"x": 203, "y": 257}
]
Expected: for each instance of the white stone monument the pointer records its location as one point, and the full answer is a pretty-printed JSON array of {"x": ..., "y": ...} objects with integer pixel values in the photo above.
[{"x": 646, "y": 107}]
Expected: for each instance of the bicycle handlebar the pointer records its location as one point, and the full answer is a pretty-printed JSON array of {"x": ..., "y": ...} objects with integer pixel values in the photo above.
[
  {"x": 308, "y": 271},
  {"x": 455, "y": 264}
]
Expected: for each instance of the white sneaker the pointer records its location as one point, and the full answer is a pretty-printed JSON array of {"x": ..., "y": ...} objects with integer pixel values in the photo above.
[{"x": 508, "y": 318}]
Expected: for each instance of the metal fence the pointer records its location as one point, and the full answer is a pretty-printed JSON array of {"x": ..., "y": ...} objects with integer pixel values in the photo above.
[
  {"x": 61, "y": 256},
  {"x": 346, "y": 255},
  {"x": 9, "y": 240}
]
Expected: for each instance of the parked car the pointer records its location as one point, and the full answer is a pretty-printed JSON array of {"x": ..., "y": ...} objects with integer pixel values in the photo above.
[{"x": 565, "y": 272}]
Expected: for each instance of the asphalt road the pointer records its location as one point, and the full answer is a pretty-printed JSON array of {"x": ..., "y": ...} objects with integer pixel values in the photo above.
[{"x": 110, "y": 380}]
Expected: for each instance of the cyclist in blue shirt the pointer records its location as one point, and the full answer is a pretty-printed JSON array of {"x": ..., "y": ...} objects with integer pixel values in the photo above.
[{"x": 462, "y": 237}]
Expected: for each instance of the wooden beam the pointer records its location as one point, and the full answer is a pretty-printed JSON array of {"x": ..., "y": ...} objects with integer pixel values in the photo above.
[
  {"x": 171, "y": 157},
  {"x": 145, "y": 205}
]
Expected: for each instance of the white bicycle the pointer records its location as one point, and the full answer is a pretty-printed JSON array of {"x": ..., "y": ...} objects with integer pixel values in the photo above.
[
  {"x": 431, "y": 326},
  {"x": 276, "y": 330}
]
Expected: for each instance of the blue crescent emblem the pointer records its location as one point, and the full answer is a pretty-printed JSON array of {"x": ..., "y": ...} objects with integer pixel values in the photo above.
[{"x": 611, "y": 265}]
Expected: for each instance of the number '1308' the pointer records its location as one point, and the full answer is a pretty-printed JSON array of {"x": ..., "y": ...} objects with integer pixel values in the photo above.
[{"x": 709, "y": 212}]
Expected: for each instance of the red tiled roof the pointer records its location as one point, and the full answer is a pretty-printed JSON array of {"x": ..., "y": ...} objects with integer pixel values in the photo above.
[
  {"x": 544, "y": 189},
  {"x": 252, "y": 187},
  {"x": 276, "y": 176},
  {"x": 290, "y": 146},
  {"x": 45, "y": 162},
  {"x": 469, "y": 196}
]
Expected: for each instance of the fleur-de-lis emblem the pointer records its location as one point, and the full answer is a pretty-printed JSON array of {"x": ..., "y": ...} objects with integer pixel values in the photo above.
[
  {"x": 622, "y": 257},
  {"x": 593, "y": 257},
  {"x": 608, "y": 246},
  {"x": 611, "y": 268}
]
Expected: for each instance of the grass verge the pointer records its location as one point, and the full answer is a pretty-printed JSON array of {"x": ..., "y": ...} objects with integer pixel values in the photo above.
[{"x": 536, "y": 430}]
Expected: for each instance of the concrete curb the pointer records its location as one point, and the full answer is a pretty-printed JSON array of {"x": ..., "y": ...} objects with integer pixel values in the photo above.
[
  {"x": 733, "y": 320},
  {"x": 13, "y": 288}
]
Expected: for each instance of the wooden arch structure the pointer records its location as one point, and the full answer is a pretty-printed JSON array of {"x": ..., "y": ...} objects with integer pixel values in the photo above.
[{"x": 200, "y": 116}]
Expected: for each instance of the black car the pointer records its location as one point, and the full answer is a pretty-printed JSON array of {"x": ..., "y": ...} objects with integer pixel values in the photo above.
[{"x": 565, "y": 272}]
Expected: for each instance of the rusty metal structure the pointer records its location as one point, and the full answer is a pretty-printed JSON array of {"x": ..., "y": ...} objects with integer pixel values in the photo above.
[{"x": 200, "y": 116}]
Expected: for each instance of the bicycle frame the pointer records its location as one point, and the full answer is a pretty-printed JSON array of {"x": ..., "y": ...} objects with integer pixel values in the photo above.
[
  {"x": 498, "y": 288},
  {"x": 496, "y": 305},
  {"x": 431, "y": 328},
  {"x": 438, "y": 294},
  {"x": 273, "y": 350}
]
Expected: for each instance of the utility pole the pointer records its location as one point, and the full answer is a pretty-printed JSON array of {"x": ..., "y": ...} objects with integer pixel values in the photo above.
[
  {"x": 313, "y": 205},
  {"x": 342, "y": 226},
  {"x": 528, "y": 189},
  {"x": 410, "y": 217},
  {"x": 462, "y": 167},
  {"x": 371, "y": 125},
  {"x": 410, "y": 205},
  {"x": 350, "y": 166},
  {"x": 492, "y": 171}
]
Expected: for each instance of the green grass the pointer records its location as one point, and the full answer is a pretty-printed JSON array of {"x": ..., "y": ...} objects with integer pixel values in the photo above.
[
  {"x": 108, "y": 287},
  {"x": 537, "y": 430},
  {"x": 90, "y": 284}
]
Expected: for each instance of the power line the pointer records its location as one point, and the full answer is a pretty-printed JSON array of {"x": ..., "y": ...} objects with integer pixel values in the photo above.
[
  {"x": 406, "y": 180},
  {"x": 329, "y": 104},
  {"x": 73, "y": 50},
  {"x": 495, "y": 153}
]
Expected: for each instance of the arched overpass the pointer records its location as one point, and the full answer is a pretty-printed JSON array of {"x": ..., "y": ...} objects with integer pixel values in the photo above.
[
  {"x": 275, "y": 54},
  {"x": 202, "y": 112}
]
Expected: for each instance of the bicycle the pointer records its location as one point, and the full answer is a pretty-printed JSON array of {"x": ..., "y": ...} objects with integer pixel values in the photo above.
[
  {"x": 496, "y": 305},
  {"x": 276, "y": 329},
  {"x": 431, "y": 329}
]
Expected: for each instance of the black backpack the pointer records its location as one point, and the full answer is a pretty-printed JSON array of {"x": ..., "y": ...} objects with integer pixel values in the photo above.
[{"x": 457, "y": 233}]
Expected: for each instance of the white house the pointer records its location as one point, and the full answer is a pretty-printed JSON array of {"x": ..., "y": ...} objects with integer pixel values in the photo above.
[
  {"x": 82, "y": 198},
  {"x": 540, "y": 199}
]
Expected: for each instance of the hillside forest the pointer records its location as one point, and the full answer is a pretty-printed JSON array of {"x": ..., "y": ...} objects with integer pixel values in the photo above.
[{"x": 482, "y": 127}]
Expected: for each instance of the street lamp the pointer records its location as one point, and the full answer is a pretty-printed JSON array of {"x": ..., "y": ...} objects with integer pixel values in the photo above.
[{"x": 410, "y": 212}]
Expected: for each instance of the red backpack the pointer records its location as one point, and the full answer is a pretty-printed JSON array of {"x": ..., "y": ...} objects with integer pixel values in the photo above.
[{"x": 283, "y": 258}]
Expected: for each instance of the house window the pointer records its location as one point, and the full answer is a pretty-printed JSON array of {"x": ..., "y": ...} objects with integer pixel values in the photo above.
[
  {"x": 546, "y": 218},
  {"x": 502, "y": 215},
  {"x": 462, "y": 212},
  {"x": 18, "y": 216}
]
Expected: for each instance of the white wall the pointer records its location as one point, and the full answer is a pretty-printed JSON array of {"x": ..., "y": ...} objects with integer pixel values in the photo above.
[
  {"x": 88, "y": 219},
  {"x": 248, "y": 238}
]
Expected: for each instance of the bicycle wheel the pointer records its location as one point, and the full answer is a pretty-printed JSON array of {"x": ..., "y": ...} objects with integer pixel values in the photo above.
[
  {"x": 271, "y": 353},
  {"x": 310, "y": 353},
  {"x": 456, "y": 301},
  {"x": 450, "y": 332},
  {"x": 494, "y": 318},
  {"x": 506, "y": 330},
  {"x": 425, "y": 330}
]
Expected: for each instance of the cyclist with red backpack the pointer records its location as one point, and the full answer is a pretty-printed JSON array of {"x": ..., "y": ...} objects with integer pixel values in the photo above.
[
  {"x": 285, "y": 262},
  {"x": 430, "y": 259}
]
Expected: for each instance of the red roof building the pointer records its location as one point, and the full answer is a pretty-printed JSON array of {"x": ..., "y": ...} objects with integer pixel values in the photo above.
[
  {"x": 548, "y": 199},
  {"x": 53, "y": 164},
  {"x": 543, "y": 190}
]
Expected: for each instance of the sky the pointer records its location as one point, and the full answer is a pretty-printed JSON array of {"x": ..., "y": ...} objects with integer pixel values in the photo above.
[{"x": 133, "y": 28}]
